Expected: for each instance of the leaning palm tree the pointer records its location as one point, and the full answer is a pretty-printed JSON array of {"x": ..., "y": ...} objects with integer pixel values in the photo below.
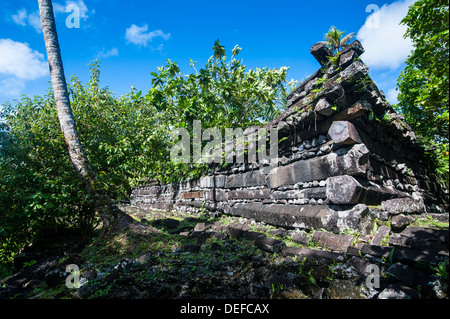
[
  {"x": 112, "y": 217},
  {"x": 335, "y": 41}
]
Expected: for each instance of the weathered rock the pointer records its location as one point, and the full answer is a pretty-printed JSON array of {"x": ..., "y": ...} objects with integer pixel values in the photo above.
[
  {"x": 427, "y": 234},
  {"x": 344, "y": 289},
  {"x": 381, "y": 233},
  {"x": 414, "y": 256},
  {"x": 269, "y": 244},
  {"x": 321, "y": 52},
  {"x": 200, "y": 227},
  {"x": 403, "y": 205},
  {"x": 377, "y": 251},
  {"x": 358, "y": 218},
  {"x": 324, "y": 107},
  {"x": 399, "y": 222},
  {"x": 418, "y": 243},
  {"x": 400, "y": 254},
  {"x": 394, "y": 292},
  {"x": 324, "y": 255},
  {"x": 359, "y": 264},
  {"x": 332, "y": 241},
  {"x": 251, "y": 235},
  {"x": 299, "y": 216},
  {"x": 343, "y": 189},
  {"x": 409, "y": 275},
  {"x": 301, "y": 239},
  {"x": 350, "y": 161},
  {"x": 344, "y": 133},
  {"x": 349, "y": 190}
]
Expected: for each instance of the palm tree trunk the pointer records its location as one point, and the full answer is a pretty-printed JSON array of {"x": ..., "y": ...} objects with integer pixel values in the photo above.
[{"x": 112, "y": 217}]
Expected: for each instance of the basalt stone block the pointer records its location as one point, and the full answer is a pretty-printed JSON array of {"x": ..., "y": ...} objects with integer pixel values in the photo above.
[
  {"x": 269, "y": 244},
  {"x": 346, "y": 58},
  {"x": 399, "y": 222},
  {"x": 301, "y": 239},
  {"x": 315, "y": 192},
  {"x": 418, "y": 243},
  {"x": 381, "y": 233},
  {"x": 324, "y": 107},
  {"x": 349, "y": 190},
  {"x": 427, "y": 234},
  {"x": 396, "y": 291},
  {"x": 289, "y": 194},
  {"x": 333, "y": 92},
  {"x": 314, "y": 254},
  {"x": 414, "y": 256},
  {"x": 299, "y": 216},
  {"x": 249, "y": 194},
  {"x": 344, "y": 133},
  {"x": 284, "y": 129},
  {"x": 358, "y": 218},
  {"x": 235, "y": 181},
  {"x": 191, "y": 195},
  {"x": 376, "y": 250},
  {"x": 332, "y": 241},
  {"x": 350, "y": 161},
  {"x": 254, "y": 178},
  {"x": 251, "y": 235},
  {"x": 359, "y": 264},
  {"x": 321, "y": 52},
  {"x": 352, "y": 73},
  {"x": 343, "y": 189},
  {"x": 356, "y": 47},
  {"x": 403, "y": 205}
]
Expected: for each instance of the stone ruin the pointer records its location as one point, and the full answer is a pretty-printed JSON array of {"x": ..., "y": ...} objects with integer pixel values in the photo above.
[{"x": 345, "y": 159}]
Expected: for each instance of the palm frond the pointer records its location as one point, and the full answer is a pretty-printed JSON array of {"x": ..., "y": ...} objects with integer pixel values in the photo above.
[{"x": 347, "y": 38}]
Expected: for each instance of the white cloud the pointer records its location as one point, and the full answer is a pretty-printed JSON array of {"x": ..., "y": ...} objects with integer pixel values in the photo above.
[
  {"x": 104, "y": 54},
  {"x": 392, "y": 96},
  {"x": 59, "y": 8},
  {"x": 140, "y": 36},
  {"x": 33, "y": 19},
  {"x": 10, "y": 86},
  {"x": 19, "y": 64},
  {"x": 20, "y": 17},
  {"x": 19, "y": 60},
  {"x": 382, "y": 36},
  {"x": 23, "y": 18}
]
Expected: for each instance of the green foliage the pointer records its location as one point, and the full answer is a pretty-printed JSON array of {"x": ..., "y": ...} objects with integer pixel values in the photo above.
[
  {"x": 442, "y": 270},
  {"x": 126, "y": 139},
  {"x": 424, "y": 83},
  {"x": 39, "y": 188}
]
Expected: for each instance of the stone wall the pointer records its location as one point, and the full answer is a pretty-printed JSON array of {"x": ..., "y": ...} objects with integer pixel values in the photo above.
[{"x": 343, "y": 151}]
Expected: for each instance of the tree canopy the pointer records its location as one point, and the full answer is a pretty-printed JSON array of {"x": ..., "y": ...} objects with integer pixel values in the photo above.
[
  {"x": 424, "y": 83},
  {"x": 126, "y": 139}
]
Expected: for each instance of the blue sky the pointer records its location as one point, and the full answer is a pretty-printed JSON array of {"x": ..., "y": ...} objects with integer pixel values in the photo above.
[{"x": 132, "y": 38}]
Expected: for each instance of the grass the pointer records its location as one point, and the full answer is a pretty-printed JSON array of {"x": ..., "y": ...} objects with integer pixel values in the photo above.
[{"x": 429, "y": 222}]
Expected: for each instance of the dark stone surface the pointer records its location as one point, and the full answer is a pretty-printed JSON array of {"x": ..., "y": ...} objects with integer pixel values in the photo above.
[
  {"x": 344, "y": 133},
  {"x": 409, "y": 275},
  {"x": 350, "y": 161},
  {"x": 343, "y": 189},
  {"x": 403, "y": 205},
  {"x": 302, "y": 216},
  {"x": 324, "y": 107},
  {"x": 381, "y": 233},
  {"x": 321, "y": 52},
  {"x": 399, "y": 222},
  {"x": 427, "y": 234},
  {"x": 269, "y": 244},
  {"x": 332, "y": 241},
  {"x": 322, "y": 255}
]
